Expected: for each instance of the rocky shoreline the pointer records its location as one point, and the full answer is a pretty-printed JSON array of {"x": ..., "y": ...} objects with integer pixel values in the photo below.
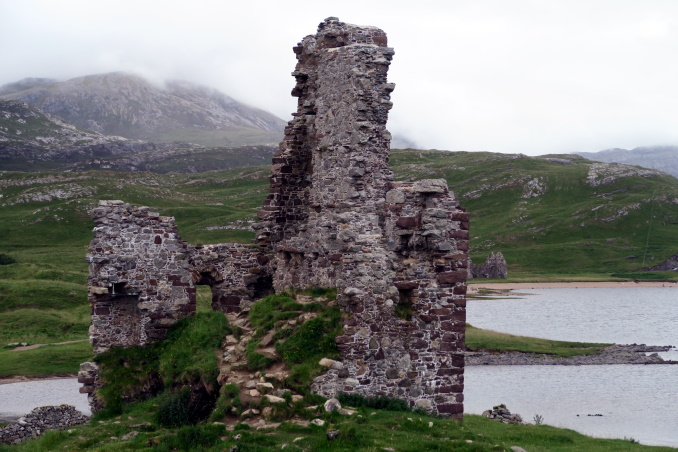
[{"x": 615, "y": 354}]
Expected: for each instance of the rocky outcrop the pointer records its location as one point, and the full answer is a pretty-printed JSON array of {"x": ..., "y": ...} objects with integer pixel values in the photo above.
[
  {"x": 494, "y": 267},
  {"x": 669, "y": 265},
  {"x": 615, "y": 354},
  {"x": 607, "y": 173},
  {"x": 39, "y": 420},
  {"x": 502, "y": 414},
  {"x": 663, "y": 158}
]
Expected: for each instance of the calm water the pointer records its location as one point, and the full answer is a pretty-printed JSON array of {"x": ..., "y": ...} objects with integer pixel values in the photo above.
[
  {"x": 18, "y": 399},
  {"x": 636, "y": 401},
  {"x": 622, "y": 316}
]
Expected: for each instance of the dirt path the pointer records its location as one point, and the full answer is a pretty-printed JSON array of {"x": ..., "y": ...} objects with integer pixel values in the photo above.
[
  {"x": 31, "y": 347},
  {"x": 23, "y": 378}
]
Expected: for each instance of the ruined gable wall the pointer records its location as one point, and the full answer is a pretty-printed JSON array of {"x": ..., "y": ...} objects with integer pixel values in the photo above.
[
  {"x": 143, "y": 275},
  {"x": 140, "y": 280},
  {"x": 390, "y": 248}
]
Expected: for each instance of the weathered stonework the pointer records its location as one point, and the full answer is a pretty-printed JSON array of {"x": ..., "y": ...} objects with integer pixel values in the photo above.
[
  {"x": 334, "y": 217},
  {"x": 143, "y": 275},
  {"x": 494, "y": 267},
  {"x": 40, "y": 420}
]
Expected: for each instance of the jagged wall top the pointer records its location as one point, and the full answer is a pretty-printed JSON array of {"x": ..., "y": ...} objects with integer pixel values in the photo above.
[
  {"x": 336, "y": 149},
  {"x": 334, "y": 33}
]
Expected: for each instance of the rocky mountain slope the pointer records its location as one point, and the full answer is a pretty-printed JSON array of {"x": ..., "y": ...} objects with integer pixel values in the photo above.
[
  {"x": 33, "y": 140},
  {"x": 131, "y": 107},
  {"x": 663, "y": 158}
]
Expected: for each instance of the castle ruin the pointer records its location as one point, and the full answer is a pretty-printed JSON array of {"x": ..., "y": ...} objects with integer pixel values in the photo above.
[{"x": 334, "y": 217}]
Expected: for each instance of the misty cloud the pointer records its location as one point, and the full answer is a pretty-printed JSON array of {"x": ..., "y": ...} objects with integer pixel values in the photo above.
[{"x": 521, "y": 76}]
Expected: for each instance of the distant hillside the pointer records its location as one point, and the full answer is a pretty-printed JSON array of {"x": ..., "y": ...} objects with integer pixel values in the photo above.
[
  {"x": 663, "y": 158},
  {"x": 552, "y": 217},
  {"x": 33, "y": 140},
  {"x": 557, "y": 213},
  {"x": 131, "y": 107}
]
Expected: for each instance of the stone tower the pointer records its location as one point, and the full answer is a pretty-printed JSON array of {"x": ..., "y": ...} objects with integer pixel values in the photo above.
[
  {"x": 334, "y": 217},
  {"x": 396, "y": 251}
]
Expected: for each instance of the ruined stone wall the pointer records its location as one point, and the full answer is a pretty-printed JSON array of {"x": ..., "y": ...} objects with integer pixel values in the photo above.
[
  {"x": 237, "y": 274},
  {"x": 335, "y": 218},
  {"x": 143, "y": 275},
  {"x": 140, "y": 279}
]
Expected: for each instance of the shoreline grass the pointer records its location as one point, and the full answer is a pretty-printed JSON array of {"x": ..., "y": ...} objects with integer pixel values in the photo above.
[{"x": 480, "y": 339}]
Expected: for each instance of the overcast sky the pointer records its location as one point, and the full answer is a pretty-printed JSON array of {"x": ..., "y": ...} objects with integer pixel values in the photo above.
[{"x": 536, "y": 77}]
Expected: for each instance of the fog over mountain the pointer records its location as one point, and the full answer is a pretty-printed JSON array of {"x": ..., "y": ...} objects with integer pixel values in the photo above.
[
  {"x": 132, "y": 107},
  {"x": 664, "y": 158}
]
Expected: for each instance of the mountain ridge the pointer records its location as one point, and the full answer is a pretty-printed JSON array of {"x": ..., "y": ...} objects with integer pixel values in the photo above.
[
  {"x": 661, "y": 157},
  {"x": 129, "y": 106}
]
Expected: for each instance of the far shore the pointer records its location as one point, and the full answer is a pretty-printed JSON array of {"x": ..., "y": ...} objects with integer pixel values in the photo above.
[
  {"x": 22, "y": 378},
  {"x": 474, "y": 286}
]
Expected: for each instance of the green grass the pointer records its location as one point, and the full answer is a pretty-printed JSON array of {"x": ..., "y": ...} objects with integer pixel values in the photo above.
[
  {"x": 374, "y": 430},
  {"x": 557, "y": 236},
  {"x": 186, "y": 358},
  {"x": 480, "y": 339},
  {"x": 300, "y": 347},
  {"x": 45, "y": 360}
]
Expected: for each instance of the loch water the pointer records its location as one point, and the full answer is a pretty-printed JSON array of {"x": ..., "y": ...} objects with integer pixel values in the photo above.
[
  {"x": 610, "y": 401},
  {"x": 635, "y": 401},
  {"x": 18, "y": 399}
]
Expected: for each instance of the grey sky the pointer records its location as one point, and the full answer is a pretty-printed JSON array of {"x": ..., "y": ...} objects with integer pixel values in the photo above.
[{"x": 535, "y": 77}]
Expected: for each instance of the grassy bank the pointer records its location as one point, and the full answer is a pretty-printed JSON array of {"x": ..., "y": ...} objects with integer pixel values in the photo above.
[
  {"x": 479, "y": 339},
  {"x": 367, "y": 430}
]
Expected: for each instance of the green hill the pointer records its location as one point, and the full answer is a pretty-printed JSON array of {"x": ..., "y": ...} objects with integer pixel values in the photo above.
[{"x": 553, "y": 217}]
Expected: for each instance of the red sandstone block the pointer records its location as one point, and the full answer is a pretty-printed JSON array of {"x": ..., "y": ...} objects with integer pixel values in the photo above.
[
  {"x": 344, "y": 340},
  {"x": 459, "y": 290},
  {"x": 458, "y": 361},
  {"x": 406, "y": 222},
  {"x": 86, "y": 380},
  {"x": 406, "y": 285},
  {"x": 462, "y": 245},
  {"x": 419, "y": 344},
  {"x": 86, "y": 390},
  {"x": 451, "y": 408},
  {"x": 452, "y": 277},
  {"x": 460, "y": 234},
  {"x": 450, "y": 389},
  {"x": 448, "y": 326},
  {"x": 444, "y": 372},
  {"x": 461, "y": 216},
  {"x": 448, "y": 347},
  {"x": 102, "y": 310}
]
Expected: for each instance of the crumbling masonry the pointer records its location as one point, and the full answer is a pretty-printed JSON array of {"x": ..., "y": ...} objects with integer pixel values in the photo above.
[{"x": 396, "y": 251}]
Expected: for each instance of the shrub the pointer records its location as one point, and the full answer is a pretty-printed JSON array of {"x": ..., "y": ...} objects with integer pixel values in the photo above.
[
  {"x": 229, "y": 399},
  {"x": 377, "y": 402},
  {"x": 174, "y": 408},
  {"x": 6, "y": 260},
  {"x": 314, "y": 338},
  {"x": 256, "y": 361}
]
